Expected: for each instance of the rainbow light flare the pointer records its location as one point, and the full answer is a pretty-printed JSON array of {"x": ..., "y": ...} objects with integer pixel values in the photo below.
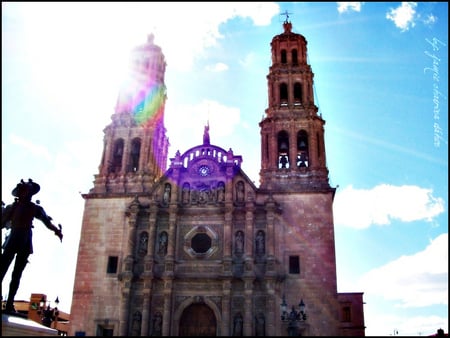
[{"x": 149, "y": 103}]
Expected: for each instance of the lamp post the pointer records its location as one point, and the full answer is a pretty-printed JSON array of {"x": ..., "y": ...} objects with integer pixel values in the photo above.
[
  {"x": 49, "y": 315},
  {"x": 294, "y": 317}
]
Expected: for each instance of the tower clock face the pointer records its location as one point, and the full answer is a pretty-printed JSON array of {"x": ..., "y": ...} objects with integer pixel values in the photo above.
[{"x": 204, "y": 170}]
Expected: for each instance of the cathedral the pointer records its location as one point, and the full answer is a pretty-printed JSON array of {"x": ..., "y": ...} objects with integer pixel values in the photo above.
[{"x": 189, "y": 245}]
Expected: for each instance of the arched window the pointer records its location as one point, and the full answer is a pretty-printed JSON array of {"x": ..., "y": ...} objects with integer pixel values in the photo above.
[
  {"x": 283, "y": 149},
  {"x": 116, "y": 163},
  {"x": 134, "y": 155},
  {"x": 302, "y": 149},
  {"x": 283, "y": 56},
  {"x": 283, "y": 94},
  {"x": 294, "y": 57},
  {"x": 298, "y": 93}
]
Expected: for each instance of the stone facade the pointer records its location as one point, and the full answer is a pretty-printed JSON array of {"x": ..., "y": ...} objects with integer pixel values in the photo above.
[{"x": 197, "y": 248}]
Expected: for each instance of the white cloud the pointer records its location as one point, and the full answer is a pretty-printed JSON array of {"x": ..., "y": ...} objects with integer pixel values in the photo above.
[
  {"x": 248, "y": 60},
  {"x": 182, "y": 37},
  {"x": 348, "y": 6},
  {"x": 261, "y": 13},
  {"x": 218, "y": 67},
  {"x": 383, "y": 323},
  {"x": 417, "y": 280},
  {"x": 36, "y": 150},
  {"x": 222, "y": 120},
  {"x": 361, "y": 208},
  {"x": 430, "y": 19},
  {"x": 203, "y": 31},
  {"x": 403, "y": 16}
]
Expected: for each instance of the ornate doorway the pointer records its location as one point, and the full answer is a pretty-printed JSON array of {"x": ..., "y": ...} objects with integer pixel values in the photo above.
[{"x": 198, "y": 320}]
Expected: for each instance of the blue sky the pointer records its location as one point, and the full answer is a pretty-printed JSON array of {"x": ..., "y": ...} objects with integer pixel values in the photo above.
[{"x": 381, "y": 84}]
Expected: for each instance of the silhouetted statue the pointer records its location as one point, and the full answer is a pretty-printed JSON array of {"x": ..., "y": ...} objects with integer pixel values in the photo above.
[{"x": 19, "y": 217}]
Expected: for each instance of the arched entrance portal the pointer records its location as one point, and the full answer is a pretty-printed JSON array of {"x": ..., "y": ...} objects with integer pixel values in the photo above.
[{"x": 198, "y": 320}]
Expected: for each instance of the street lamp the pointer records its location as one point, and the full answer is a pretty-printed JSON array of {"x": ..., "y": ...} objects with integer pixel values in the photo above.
[{"x": 293, "y": 317}]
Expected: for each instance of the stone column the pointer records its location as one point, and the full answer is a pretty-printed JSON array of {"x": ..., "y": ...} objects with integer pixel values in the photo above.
[
  {"x": 167, "y": 316},
  {"x": 270, "y": 308},
  {"x": 312, "y": 147},
  {"x": 248, "y": 313},
  {"x": 124, "y": 309},
  {"x": 226, "y": 290},
  {"x": 148, "y": 271},
  {"x": 228, "y": 236},
  {"x": 249, "y": 235},
  {"x": 270, "y": 238},
  {"x": 170, "y": 257}
]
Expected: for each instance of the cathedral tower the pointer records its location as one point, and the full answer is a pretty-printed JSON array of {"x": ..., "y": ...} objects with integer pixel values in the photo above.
[
  {"x": 135, "y": 142},
  {"x": 292, "y": 133}
]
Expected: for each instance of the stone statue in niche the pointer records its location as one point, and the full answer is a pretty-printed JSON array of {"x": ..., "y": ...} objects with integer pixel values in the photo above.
[
  {"x": 260, "y": 325},
  {"x": 260, "y": 243},
  {"x": 162, "y": 244},
  {"x": 220, "y": 192},
  {"x": 143, "y": 241},
  {"x": 239, "y": 242},
  {"x": 194, "y": 196},
  {"x": 204, "y": 195},
  {"x": 185, "y": 193},
  {"x": 237, "y": 326},
  {"x": 240, "y": 191},
  {"x": 157, "y": 324},
  {"x": 166, "y": 194},
  {"x": 136, "y": 325}
]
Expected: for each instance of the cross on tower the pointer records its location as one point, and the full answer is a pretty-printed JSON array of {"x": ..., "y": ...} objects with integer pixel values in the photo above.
[{"x": 287, "y": 15}]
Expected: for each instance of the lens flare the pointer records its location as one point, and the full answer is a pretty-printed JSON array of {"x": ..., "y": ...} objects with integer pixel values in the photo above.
[{"x": 149, "y": 103}]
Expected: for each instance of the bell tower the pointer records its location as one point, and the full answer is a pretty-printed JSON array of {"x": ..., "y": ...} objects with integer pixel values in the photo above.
[
  {"x": 135, "y": 142},
  {"x": 292, "y": 132}
]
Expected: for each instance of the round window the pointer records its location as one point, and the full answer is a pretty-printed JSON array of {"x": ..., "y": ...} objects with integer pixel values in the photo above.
[
  {"x": 201, "y": 243},
  {"x": 204, "y": 170}
]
